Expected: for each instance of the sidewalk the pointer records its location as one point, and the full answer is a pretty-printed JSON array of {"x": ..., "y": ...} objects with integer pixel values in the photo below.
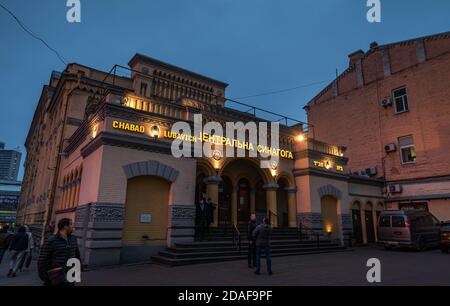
[
  {"x": 28, "y": 277},
  {"x": 345, "y": 268}
]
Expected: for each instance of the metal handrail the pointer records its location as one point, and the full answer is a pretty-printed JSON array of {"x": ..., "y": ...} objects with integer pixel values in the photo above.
[
  {"x": 236, "y": 237},
  {"x": 311, "y": 234}
]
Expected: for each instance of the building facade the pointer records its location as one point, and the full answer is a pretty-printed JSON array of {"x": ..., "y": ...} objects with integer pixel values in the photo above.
[
  {"x": 100, "y": 153},
  {"x": 9, "y": 163},
  {"x": 391, "y": 109}
]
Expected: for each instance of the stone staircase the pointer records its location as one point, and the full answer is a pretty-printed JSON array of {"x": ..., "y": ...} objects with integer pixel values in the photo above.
[{"x": 218, "y": 246}]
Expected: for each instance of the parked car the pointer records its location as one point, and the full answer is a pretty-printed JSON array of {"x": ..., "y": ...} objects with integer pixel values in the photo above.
[
  {"x": 417, "y": 229},
  {"x": 445, "y": 236}
]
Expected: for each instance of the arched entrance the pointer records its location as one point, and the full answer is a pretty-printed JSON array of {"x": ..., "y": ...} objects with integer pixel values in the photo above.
[
  {"x": 329, "y": 210},
  {"x": 225, "y": 190},
  {"x": 282, "y": 203},
  {"x": 243, "y": 192},
  {"x": 370, "y": 230},
  {"x": 200, "y": 187},
  {"x": 146, "y": 211},
  {"x": 260, "y": 201},
  {"x": 356, "y": 222},
  {"x": 243, "y": 206}
]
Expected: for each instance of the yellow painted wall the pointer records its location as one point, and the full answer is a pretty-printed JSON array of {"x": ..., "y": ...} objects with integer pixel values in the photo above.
[{"x": 146, "y": 195}]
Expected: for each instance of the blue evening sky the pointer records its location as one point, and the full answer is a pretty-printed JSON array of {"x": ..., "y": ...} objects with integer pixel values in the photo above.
[{"x": 254, "y": 45}]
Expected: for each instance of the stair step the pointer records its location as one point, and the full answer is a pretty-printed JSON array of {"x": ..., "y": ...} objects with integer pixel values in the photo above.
[
  {"x": 244, "y": 247},
  {"x": 239, "y": 253},
  {"x": 244, "y": 243},
  {"x": 188, "y": 261}
]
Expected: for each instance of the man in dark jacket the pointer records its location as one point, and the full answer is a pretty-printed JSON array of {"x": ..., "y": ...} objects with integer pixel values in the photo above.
[
  {"x": 201, "y": 219},
  {"x": 57, "y": 250},
  {"x": 18, "y": 247},
  {"x": 262, "y": 235},
  {"x": 251, "y": 242}
]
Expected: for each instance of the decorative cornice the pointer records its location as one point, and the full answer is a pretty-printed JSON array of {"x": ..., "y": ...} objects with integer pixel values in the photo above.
[
  {"x": 139, "y": 143},
  {"x": 322, "y": 173}
]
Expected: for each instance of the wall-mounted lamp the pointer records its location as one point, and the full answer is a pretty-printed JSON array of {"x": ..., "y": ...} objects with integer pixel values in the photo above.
[
  {"x": 273, "y": 168},
  {"x": 154, "y": 131},
  {"x": 217, "y": 157},
  {"x": 301, "y": 137},
  {"x": 94, "y": 130},
  {"x": 328, "y": 165},
  {"x": 328, "y": 229}
]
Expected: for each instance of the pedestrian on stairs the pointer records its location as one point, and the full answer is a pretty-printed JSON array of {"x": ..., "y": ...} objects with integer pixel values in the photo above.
[{"x": 262, "y": 235}]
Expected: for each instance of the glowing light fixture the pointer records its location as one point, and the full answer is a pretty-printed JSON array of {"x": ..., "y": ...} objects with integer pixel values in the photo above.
[
  {"x": 328, "y": 228},
  {"x": 301, "y": 137},
  {"x": 328, "y": 165},
  {"x": 94, "y": 130},
  {"x": 217, "y": 157},
  {"x": 154, "y": 131}
]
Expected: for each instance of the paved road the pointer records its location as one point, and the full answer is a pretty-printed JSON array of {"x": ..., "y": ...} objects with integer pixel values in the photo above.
[{"x": 346, "y": 268}]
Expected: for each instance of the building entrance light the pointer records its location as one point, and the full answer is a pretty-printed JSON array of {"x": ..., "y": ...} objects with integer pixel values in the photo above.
[
  {"x": 154, "y": 131},
  {"x": 301, "y": 137}
]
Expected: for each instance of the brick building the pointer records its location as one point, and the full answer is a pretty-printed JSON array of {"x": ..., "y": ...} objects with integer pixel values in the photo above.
[{"x": 391, "y": 109}]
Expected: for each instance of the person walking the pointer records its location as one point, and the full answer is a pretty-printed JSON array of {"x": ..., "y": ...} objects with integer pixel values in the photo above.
[
  {"x": 5, "y": 240},
  {"x": 201, "y": 219},
  {"x": 262, "y": 235},
  {"x": 26, "y": 259},
  {"x": 251, "y": 241},
  {"x": 17, "y": 248},
  {"x": 56, "y": 251}
]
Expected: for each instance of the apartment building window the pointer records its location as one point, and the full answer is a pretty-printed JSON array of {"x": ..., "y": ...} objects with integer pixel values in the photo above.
[
  {"x": 400, "y": 100},
  {"x": 143, "y": 91},
  {"x": 407, "y": 149}
]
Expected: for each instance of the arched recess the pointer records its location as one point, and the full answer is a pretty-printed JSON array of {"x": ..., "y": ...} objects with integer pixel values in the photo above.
[
  {"x": 329, "y": 209},
  {"x": 147, "y": 202}
]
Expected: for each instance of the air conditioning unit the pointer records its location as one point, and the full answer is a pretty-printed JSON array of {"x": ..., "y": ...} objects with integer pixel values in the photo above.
[
  {"x": 390, "y": 148},
  {"x": 372, "y": 171},
  {"x": 397, "y": 188},
  {"x": 386, "y": 102}
]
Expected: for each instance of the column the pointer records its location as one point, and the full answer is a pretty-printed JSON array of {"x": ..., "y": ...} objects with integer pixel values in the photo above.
[
  {"x": 234, "y": 205},
  {"x": 212, "y": 191},
  {"x": 363, "y": 224},
  {"x": 253, "y": 201},
  {"x": 271, "y": 201},
  {"x": 375, "y": 222},
  {"x": 292, "y": 206}
]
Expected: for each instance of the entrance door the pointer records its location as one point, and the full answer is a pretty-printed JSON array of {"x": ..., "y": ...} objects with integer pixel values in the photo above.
[
  {"x": 356, "y": 219},
  {"x": 225, "y": 189},
  {"x": 369, "y": 227},
  {"x": 243, "y": 201}
]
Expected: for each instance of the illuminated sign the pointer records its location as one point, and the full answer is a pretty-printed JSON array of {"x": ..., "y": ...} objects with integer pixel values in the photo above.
[
  {"x": 128, "y": 127},
  {"x": 327, "y": 165},
  {"x": 226, "y": 141}
]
